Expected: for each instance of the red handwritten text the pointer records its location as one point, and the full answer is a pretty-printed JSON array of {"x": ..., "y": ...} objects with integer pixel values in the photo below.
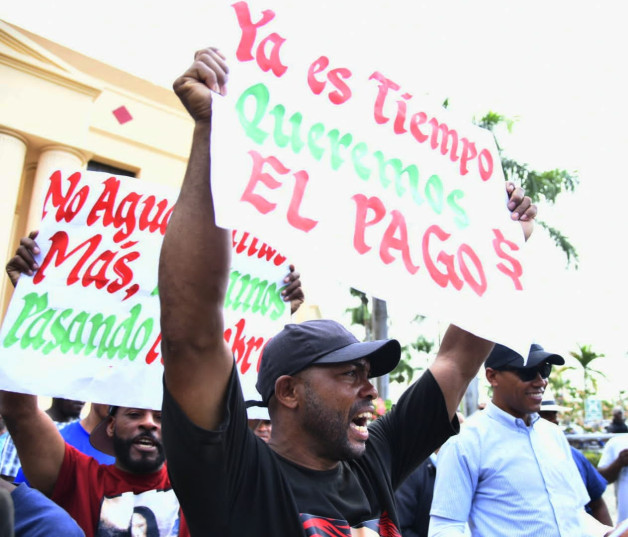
[
  {"x": 341, "y": 92},
  {"x": 262, "y": 204},
  {"x": 446, "y": 264},
  {"x": 245, "y": 242},
  {"x": 90, "y": 266},
  {"x": 449, "y": 138},
  {"x": 267, "y": 61}
]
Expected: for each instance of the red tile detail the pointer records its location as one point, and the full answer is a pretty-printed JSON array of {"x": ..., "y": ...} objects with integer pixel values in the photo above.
[{"x": 122, "y": 115}]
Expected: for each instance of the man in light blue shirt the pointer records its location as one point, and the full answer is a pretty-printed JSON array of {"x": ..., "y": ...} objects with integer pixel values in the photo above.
[{"x": 510, "y": 473}]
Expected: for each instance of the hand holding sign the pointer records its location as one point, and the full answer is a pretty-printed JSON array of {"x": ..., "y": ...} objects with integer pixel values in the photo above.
[
  {"x": 24, "y": 260},
  {"x": 521, "y": 208},
  {"x": 293, "y": 292}
]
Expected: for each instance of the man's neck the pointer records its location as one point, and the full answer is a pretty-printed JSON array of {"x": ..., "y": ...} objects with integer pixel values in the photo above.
[
  {"x": 300, "y": 457},
  {"x": 120, "y": 466},
  {"x": 527, "y": 418}
]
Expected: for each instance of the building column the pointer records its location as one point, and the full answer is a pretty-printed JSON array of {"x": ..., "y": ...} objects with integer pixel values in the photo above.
[
  {"x": 12, "y": 154},
  {"x": 51, "y": 158}
]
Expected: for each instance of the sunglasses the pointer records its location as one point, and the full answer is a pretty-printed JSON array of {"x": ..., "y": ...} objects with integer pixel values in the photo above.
[{"x": 529, "y": 374}]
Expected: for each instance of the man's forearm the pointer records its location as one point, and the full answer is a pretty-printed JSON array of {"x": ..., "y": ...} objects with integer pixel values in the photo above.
[
  {"x": 599, "y": 511},
  {"x": 195, "y": 255},
  {"x": 39, "y": 445},
  {"x": 459, "y": 359},
  {"x": 610, "y": 472}
]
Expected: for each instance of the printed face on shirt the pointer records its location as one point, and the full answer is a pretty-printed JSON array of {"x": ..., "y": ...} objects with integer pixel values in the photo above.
[
  {"x": 136, "y": 436},
  {"x": 154, "y": 513},
  {"x": 513, "y": 395},
  {"x": 337, "y": 407}
]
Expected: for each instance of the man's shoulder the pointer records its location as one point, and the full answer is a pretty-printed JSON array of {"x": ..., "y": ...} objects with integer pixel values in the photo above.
[
  {"x": 71, "y": 429},
  {"x": 476, "y": 422},
  {"x": 618, "y": 442},
  {"x": 471, "y": 433}
]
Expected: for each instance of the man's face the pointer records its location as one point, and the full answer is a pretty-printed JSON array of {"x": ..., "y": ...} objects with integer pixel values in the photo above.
[
  {"x": 550, "y": 415},
  {"x": 261, "y": 429},
  {"x": 70, "y": 408},
  {"x": 515, "y": 396},
  {"x": 337, "y": 406},
  {"x": 136, "y": 434}
]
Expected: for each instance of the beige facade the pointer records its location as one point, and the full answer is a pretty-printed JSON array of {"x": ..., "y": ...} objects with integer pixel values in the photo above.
[{"x": 57, "y": 110}]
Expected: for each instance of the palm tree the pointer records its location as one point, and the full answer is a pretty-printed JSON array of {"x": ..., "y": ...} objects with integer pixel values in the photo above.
[
  {"x": 584, "y": 356},
  {"x": 559, "y": 383},
  {"x": 539, "y": 185}
]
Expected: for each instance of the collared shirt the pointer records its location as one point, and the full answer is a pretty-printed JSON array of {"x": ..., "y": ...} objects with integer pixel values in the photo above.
[{"x": 508, "y": 478}]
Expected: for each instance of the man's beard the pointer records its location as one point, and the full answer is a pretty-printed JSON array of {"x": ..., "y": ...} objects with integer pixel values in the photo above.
[
  {"x": 329, "y": 425},
  {"x": 147, "y": 463}
]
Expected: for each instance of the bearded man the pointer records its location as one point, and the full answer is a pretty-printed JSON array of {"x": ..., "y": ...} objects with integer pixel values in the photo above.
[{"x": 101, "y": 498}]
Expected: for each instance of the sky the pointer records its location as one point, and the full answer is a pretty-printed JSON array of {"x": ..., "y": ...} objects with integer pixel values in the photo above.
[{"x": 557, "y": 67}]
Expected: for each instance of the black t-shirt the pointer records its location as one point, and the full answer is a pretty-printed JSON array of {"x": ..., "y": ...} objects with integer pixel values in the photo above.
[{"x": 230, "y": 483}]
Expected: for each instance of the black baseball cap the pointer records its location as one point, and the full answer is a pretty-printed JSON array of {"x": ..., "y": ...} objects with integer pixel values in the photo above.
[
  {"x": 502, "y": 357},
  {"x": 320, "y": 341}
]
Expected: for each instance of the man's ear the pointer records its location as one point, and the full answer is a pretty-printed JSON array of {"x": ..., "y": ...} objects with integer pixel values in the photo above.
[
  {"x": 491, "y": 376},
  {"x": 111, "y": 426},
  {"x": 286, "y": 390}
]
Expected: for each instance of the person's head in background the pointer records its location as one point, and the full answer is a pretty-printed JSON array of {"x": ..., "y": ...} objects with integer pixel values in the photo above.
[
  {"x": 259, "y": 422},
  {"x": 618, "y": 415},
  {"x": 518, "y": 386},
  {"x": 261, "y": 429},
  {"x": 62, "y": 410},
  {"x": 549, "y": 409}
]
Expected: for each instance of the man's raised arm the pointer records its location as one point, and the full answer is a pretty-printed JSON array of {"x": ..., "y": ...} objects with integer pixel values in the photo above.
[
  {"x": 39, "y": 445},
  {"x": 461, "y": 353},
  {"x": 194, "y": 263}
]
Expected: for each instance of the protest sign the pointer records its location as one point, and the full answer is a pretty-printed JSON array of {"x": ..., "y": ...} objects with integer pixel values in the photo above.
[
  {"x": 86, "y": 326},
  {"x": 343, "y": 166}
]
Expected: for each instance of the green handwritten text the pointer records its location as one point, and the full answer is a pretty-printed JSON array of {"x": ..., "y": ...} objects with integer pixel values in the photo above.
[
  {"x": 46, "y": 329},
  {"x": 252, "y": 109}
]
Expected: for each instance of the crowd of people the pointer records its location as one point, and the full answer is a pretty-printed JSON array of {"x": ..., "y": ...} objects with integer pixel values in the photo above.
[{"x": 307, "y": 458}]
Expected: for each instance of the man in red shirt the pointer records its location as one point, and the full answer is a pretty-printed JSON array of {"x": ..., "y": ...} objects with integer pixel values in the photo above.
[{"x": 101, "y": 498}]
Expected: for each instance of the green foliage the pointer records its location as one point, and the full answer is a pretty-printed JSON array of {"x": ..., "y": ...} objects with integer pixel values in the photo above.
[
  {"x": 584, "y": 356},
  {"x": 491, "y": 120},
  {"x": 574, "y": 397},
  {"x": 539, "y": 185},
  {"x": 593, "y": 456},
  {"x": 404, "y": 372},
  {"x": 559, "y": 384},
  {"x": 562, "y": 242},
  {"x": 361, "y": 314}
]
